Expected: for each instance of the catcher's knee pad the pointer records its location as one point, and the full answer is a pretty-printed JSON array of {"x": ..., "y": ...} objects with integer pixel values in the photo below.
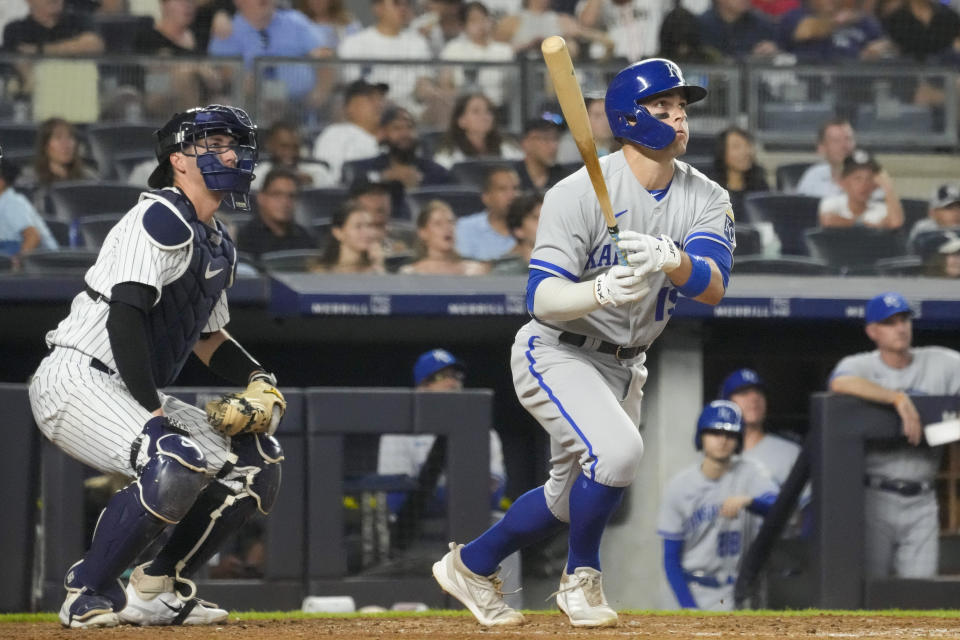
[
  {"x": 174, "y": 473},
  {"x": 258, "y": 463}
]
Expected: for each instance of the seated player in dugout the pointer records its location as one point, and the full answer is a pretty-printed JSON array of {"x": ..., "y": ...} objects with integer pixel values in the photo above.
[
  {"x": 708, "y": 512},
  {"x": 156, "y": 294},
  {"x": 437, "y": 370}
]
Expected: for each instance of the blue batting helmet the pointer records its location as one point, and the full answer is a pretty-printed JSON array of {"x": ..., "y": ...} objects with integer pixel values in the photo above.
[
  {"x": 192, "y": 126},
  {"x": 638, "y": 82},
  {"x": 720, "y": 416}
]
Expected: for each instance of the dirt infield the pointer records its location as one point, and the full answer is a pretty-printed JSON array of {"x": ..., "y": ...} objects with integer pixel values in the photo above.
[{"x": 672, "y": 627}]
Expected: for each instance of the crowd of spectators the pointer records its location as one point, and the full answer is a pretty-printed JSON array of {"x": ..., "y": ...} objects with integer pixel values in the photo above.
[{"x": 372, "y": 145}]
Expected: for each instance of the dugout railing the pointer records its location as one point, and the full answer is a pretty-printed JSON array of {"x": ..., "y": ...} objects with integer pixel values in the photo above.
[{"x": 305, "y": 535}]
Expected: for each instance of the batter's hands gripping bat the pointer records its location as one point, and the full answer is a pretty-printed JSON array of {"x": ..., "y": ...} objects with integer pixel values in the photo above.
[{"x": 560, "y": 66}]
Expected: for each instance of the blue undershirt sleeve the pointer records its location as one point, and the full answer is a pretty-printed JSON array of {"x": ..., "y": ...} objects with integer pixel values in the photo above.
[
  {"x": 761, "y": 504},
  {"x": 672, "y": 553},
  {"x": 720, "y": 254},
  {"x": 535, "y": 277}
]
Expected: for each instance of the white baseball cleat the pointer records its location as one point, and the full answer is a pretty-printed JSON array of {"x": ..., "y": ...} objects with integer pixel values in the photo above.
[
  {"x": 580, "y": 596},
  {"x": 152, "y": 601},
  {"x": 482, "y": 595}
]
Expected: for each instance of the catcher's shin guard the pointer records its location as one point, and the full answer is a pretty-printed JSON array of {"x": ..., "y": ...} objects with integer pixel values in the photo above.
[
  {"x": 167, "y": 486},
  {"x": 219, "y": 512}
]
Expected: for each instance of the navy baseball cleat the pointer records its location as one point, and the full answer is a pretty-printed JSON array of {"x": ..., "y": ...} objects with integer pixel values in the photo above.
[
  {"x": 87, "y": 609},
  {"x": 153, "y": 601}
]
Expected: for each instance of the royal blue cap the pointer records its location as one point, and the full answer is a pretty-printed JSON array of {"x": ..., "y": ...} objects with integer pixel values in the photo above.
[
  {"x": 738, "y": 380},
  {"x": 431, "y": 362},
  {"x": 881, "y": 307}
]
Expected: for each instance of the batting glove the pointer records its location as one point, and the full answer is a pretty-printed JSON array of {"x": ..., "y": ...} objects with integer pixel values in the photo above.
[
  {"x": 649, "y": 253},
  {"x": 619, "y": 285}
]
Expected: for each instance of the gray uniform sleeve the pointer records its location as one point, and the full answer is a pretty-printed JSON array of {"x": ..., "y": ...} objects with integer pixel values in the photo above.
[
  {"x": 670, "y": 519},
  {"x": 715, "y": 218},
  {"x": 855, "y": 365},
  {"x": 563, "y": 235}
]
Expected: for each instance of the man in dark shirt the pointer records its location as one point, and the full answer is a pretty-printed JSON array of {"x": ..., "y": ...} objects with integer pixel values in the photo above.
[
  {"x": 273, "y": 229},
  {"x": 399, "y": 168},
  {"x": 50, "y": 31},
  {"x": 539, "y": 170},
  {"x": 732, "y": 27}
]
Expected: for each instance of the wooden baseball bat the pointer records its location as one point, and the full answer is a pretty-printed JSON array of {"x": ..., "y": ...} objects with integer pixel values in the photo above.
[{"x": 560, "y": 66}]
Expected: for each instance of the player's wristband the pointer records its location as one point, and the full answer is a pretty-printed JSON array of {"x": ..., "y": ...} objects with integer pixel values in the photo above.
[{"x": 699, "y": 278}]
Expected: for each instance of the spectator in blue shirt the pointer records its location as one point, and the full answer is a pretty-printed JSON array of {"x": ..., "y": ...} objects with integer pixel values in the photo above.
[
  {"x": 21, "y": 229},
  {"x": 733, "y": 27},
  {"x": 822, "y": 31},
  {"x": 486, "y": 235},
  {"x": 260, "y": 29}
]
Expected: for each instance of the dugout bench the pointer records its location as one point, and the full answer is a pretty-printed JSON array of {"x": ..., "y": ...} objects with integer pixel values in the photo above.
[{"x": 304, "y": 532}]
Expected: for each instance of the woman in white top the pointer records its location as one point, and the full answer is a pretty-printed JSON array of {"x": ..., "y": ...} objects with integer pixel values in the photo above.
[
  {"x": 475, "y": 44},
  {"x": 473, "y": 133},
  {"x": 436, "y": 239},
  {"x": 862, "y": 174}
]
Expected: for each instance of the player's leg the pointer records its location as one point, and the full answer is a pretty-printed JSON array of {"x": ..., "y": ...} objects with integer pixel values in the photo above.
[
  {"x": 576, "y": 402},
  {"x": 880, "y": 536},
  {"x": 161, "y": 592},
  {"x": 90, "y": 415},
  {"x": 918, "y": 552}
]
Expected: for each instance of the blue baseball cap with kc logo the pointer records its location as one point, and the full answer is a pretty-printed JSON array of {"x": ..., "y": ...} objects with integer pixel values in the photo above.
[
  {"x": 431, "y": 362},
  {"x": 739, "y": 380},
  {"x": 881, "y": 307}
]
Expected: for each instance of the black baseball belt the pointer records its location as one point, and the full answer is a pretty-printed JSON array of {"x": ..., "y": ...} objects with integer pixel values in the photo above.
[
  {"x": 906, "y": 488},
  {"x": 95, "y": 363},
  {"x": 621, "y": 352}
]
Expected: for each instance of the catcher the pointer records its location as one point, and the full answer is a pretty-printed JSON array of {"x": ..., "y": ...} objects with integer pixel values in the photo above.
[{"x": 155, "y": 294}]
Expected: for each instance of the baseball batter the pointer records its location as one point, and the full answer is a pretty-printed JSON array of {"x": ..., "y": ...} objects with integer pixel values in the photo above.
[
  {"x": 708, "y": 515},
  {"x": 155, "y": 294},
  {"x": 578, "y": 365},
  {"x": 902, "y": 527}
]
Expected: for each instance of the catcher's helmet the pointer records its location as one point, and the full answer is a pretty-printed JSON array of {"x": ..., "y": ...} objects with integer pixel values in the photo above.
[
  {"x": 720, "y": 416},
  {"x": 190, "y": 128},
  {"x": 635, "y": 84}
]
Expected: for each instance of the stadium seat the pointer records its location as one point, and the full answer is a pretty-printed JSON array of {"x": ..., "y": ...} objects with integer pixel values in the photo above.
[
  {"x": 463, "y": 200},
  {"x": 929, "y": 242},
  {"x": 748, "y": 240},
  {"x": 429, "y": 141},
  {"x": 119, "y": 31},
  {"x": 72, "y": 200},
  {"x": 18, "y": 137},
  {"x": 788, "y": 175},
  {"x": 108, "y": 140},
  {"x": 901, "y": 119},
  {"x": 6, "y": 263},
  {"x": 294, "y": 260},
  {"x": 61, "y": 232},
  {"x": 59, "y": 262},
  {"x": 784, "y": 265},
  {"x": 124, "y": 163},
  {"x": 790, "y": 215},
  {"x": 322, "y": 202},
  {"x": 914, "y": 210},
  {"x": 397, "y": 260},
  {"x": 94, "y": 229},
  {"x": 795, "y": 117},
  {"x": 320, "y": 228},
  {"x": 853, "y": 250},
  {"x": 899, "y": 266},
  {"x": 471, "y": 173}
]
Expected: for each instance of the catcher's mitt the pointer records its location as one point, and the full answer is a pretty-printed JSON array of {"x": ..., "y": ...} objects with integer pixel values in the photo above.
[{"x": 257, "y": 409}]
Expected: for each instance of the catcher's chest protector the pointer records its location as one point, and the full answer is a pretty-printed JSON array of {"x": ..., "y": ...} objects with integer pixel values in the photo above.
[{"x": 174, "y": 324}]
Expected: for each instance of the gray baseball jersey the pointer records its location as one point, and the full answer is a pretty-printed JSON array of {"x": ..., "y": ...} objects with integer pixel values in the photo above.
[
  {"x": 713, "y": 546},
  {"x": 87, "y": 412},
  {"x": 589, "y": 402},
  {"x": 573, "y": 243},
  {"x": 902, "y": 531}
]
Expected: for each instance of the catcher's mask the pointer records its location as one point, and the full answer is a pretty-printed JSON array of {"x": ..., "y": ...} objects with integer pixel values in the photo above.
[
  {"x": 187, "y": 133},
  {"x": 637, "y": 83},
  {"x": 720, "y": 416}
]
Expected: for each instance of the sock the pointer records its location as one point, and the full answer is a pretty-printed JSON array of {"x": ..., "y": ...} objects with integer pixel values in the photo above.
[
  {"x": 591, "y": 505},
  {"x": 527, "y": 521}
]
